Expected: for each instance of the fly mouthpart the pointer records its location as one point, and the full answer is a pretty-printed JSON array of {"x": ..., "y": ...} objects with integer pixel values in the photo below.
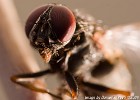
[{"x": 46, "y": 54}]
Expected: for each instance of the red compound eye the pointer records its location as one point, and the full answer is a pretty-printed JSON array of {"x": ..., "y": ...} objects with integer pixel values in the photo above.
[
  {"x": 33, "y": 18},
  {"x": 62, "y": 21}
]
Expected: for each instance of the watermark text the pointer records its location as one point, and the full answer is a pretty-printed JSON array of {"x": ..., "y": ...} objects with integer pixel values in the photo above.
[{"x": 111, "y": 97}]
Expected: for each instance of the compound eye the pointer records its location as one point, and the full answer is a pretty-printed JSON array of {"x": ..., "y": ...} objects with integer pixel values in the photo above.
[
  {"x": 33, "y": 18},
  {"x": 63, "y": 23},
  {"x": 61, "y": 20}
]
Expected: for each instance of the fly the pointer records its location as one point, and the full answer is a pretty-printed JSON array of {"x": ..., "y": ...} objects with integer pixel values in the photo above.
[{"x": 74, "y": 46}]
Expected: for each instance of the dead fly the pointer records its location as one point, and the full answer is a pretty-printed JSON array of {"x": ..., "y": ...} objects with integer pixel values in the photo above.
[{"x": 88, "y": 57}]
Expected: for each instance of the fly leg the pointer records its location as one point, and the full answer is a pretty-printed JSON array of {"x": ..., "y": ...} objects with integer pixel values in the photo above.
[
  {"x": 105, "y": 90},
  {"x": 23, "y": 80},
  {"x": 72, "y": 85},
  {"x": 70, "y": 79}
]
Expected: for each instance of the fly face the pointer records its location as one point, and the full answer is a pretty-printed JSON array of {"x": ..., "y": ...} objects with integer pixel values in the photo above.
[{"x": 49, "y": 28}]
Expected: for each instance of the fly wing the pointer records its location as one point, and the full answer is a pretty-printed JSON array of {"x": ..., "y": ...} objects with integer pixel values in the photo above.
[{"x": 126, "y": 41}]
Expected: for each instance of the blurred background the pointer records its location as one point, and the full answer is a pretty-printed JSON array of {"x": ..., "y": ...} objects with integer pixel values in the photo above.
[{"x": 111, "y": 12}]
